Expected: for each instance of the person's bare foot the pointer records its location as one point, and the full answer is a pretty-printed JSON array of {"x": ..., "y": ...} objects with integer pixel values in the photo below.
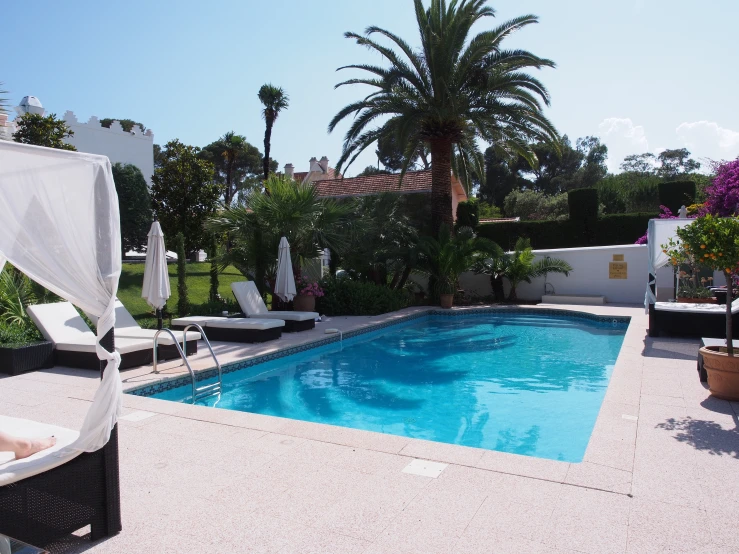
[{"x": 29, "y": 447}]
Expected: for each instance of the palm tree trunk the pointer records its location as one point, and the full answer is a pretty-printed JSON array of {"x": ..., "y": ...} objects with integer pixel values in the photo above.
[
  {"x": 228, "y": 197},
  {"x": 267, "y": 139},
  {"x": 404, "y": 277},
  {"x": 441, "y": 184},
  {"x": 496, "y": 284},
  {"x": 512, "y": 294}
]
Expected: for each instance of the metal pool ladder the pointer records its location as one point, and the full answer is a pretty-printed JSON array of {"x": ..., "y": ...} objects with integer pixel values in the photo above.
[{"x": 198, "y": 393}]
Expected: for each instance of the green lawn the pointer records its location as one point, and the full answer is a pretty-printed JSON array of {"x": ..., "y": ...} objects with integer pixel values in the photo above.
[{"x": 198, "y": 286}]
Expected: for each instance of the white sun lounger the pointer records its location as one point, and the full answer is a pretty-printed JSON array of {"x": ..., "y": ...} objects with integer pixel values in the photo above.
[
  {"x": 74, "y": 342},
  {"x": 127, "y": 327},
  {"x": 690, "y": 320},
  {"x": 251, "y": 303},
  {"x": 234, "y": 329}
]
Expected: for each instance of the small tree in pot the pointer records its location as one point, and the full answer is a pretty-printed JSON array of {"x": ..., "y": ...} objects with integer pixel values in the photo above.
[
  {"x": 445, "y": 258},
  {"x": 714, "y": 243}
]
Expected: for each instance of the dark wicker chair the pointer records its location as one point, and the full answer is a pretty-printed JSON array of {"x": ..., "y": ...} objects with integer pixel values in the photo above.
[
  {"x": 666, "y": 323},
  {"x": 48, "y": 507}
]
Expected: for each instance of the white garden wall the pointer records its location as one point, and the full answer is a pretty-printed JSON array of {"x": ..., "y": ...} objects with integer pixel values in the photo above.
[
  {"x": 135, "y": 148},
  {"x": 590, "y": 275}
]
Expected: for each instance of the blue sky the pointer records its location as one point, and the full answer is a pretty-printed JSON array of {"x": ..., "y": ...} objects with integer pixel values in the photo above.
[{"x": 643, "y": 75}]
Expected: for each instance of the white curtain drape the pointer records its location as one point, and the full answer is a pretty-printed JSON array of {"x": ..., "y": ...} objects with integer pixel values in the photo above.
[
  {"x": 59, "y": 224},
  {"x": 659, "y": 232}
]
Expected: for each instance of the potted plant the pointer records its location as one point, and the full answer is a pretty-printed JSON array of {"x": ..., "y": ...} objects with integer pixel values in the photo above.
[
  {"x": 308, "y": 291},
  {"x": 691, "y": 287},
  {"x": 445, "y": 258},
  {"x": 714, "y": 243}
]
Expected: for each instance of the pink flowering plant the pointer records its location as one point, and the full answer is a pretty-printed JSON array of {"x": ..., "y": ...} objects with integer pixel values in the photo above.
[
  {"x": 722, "y": 197},
  {"x": 308, "y": 288}
]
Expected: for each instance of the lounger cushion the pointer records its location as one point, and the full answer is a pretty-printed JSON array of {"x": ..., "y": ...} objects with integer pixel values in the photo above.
[
  {"x": 291, "y": 316},
  {"x": 251, "y": 302},
  {"x": 249, "y": 323},
  {"x": 12, "y": 470},
  {"x": 201, "y": 320},
  {"x": 164, "y": 338},
  {"x": 60, "y": 323},
  {"x": 123, "y": 345},
  {"x": 696, "y": 308}
]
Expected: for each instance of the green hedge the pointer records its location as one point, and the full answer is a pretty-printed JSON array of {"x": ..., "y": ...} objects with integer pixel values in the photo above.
[
  {"x": 675, "y": 194},
  {"x": 347, "y": 297},
  {"x": 603, "y": 231},
  {"x": 583, "y": 203}
]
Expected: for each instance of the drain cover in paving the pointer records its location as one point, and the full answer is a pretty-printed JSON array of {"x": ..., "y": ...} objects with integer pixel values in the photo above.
[
  {"x": 137, "y": 416},
  {"x": 425, "y": 468}
]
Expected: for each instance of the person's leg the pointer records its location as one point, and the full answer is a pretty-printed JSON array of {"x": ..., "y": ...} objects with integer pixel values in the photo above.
[{"x": 22, "y": 447}]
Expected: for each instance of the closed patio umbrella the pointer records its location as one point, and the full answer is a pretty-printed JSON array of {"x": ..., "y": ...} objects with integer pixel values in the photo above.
[
  {"x": 156, "y": 276},
  {"x": 285, "y": 282}
]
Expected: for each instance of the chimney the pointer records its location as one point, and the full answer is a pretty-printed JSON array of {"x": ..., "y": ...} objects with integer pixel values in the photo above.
[
  {"x": 289, "y": 170},
  {"x": 314, "y": 166},
  {"x": 324, "y": 164}
]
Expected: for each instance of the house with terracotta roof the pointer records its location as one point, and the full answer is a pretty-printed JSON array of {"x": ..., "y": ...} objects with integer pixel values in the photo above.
[{"x": 331, "y": 184}]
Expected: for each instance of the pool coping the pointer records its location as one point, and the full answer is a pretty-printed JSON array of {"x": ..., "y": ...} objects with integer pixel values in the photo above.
[{"x": 169, "y": 382}]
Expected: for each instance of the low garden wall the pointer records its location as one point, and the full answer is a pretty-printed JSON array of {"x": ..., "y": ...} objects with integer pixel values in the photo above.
[{"x": 593, "y": 274}]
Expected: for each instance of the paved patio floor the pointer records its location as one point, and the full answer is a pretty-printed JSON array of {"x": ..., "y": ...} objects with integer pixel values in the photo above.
[{"x": 661, "y": 472}]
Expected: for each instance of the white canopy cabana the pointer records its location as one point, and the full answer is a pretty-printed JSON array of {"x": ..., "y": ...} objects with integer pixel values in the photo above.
[
  {"x": 659, "y": 232},
  {"x": 59, "y": 224}
]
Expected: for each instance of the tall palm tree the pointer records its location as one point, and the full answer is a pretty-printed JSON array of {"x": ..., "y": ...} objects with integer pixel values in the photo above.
[
  {"x": 274, "y": 100},
  {"x": 457, "y": 89},
  {"x": 233, "y": 145}
]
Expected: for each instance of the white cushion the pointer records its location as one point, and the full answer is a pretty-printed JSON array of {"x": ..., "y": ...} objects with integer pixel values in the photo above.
[
  {"x": 60, "y": 323},
  {"x": 164, "y": 338},
  {"x": 291, "y": 316},
  {"x": 201, "y": 320},
  {"x": 12, "y": 470},
  {"x": 251, "y": 302},
  {"x": 696, "y": 308},
  {"x": 123, "y": 345},
  {"x": 123, "y": 318},
  {"x": 248, "y": 297},
  {"x": 246, "y": 323}
]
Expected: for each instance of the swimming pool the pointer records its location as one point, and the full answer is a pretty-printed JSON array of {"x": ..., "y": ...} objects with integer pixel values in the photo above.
[{"x": 514, "y": 382}]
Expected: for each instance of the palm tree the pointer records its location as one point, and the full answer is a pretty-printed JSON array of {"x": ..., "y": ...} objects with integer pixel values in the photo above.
[
  {"x": 3, "y": 100},
  {"x": 274, "y": 100},
  {"x": 519, "y": 266},
  {"x": 233, "y": 145},
  {"x": 295, "y": 211},
  {"x": 445, "y": 258},
  {"x": 457, "y": 89}
]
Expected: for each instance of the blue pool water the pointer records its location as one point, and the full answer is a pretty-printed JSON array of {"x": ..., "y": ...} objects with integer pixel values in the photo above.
[{"x": 521, "y": 383}]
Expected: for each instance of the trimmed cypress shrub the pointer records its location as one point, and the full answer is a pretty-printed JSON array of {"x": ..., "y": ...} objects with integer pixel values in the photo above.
[
  {"x": 183, "y": 302},
  {"x": 468, "y": 214},
  {"x": 583, "y": 203},
  {"x": 675, "y": 194}
]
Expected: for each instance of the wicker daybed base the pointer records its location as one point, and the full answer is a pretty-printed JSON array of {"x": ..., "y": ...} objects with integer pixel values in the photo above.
[
  {"x": 238, "y": 334},
  {"x": 667, "y": 323}
]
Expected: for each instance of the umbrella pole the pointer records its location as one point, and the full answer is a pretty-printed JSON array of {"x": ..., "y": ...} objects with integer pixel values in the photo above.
[{"x": 159, "y": 319}]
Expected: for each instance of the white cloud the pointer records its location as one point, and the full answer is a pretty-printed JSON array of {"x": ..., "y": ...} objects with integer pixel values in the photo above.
[
  {"x": 622, "y": 138},
  {"x": 708, "y": 139}
]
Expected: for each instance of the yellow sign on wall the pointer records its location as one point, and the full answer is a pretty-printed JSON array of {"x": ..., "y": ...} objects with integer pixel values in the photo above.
[{"x": 618, "y": 268}]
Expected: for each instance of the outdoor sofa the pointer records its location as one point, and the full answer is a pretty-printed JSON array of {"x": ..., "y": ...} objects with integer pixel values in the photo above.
[
  {"x": 253, "y": 306},
  {"x": 44, "y": 498},
  {"x": 74, "y": 343},
  {"x": 233, "y": 329},
  {"x": 676, "y": 319},
  {"x": 126, "y": 327}
]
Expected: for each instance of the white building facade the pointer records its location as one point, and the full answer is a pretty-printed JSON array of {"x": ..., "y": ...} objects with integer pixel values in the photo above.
[{"x": 135, "y": 147}]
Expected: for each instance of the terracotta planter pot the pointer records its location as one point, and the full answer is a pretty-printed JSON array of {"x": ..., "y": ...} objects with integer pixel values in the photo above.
[
  {"x": 304, "y": 303},
  {"x": 697, "y": 300},
  {"x": 446, "y": 300},
  {"x": 723, "y": 373}
]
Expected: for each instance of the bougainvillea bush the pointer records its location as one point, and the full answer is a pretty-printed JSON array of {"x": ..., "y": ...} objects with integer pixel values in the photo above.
[{"x": 722, "y": 197}]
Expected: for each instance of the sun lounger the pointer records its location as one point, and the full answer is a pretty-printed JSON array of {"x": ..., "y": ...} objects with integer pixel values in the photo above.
[
  {"x": 234, "y": 329},
  {"x": 679, "y": 319},
  {"x": 126, "y": 327},
  {"x": 251, "y": 303},
  {"x": 75, "y": 344},
  {"x": 44, "y": 498}
]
